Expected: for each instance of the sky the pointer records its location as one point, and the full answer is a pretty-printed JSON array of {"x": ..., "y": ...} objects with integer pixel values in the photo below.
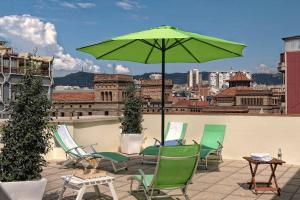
[{"x": 58, "y": 27}]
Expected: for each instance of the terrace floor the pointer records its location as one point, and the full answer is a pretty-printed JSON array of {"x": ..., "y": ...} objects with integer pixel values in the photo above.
[{"x": 227, "y": 180}]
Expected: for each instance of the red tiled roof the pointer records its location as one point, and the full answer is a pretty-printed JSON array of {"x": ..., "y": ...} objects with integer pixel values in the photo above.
[
  {"x": 239, "y": 76},
  {"x": 184, "y": 102},
  {"x": 232, "y": 91},
  {"x": 73, "y": 96}
]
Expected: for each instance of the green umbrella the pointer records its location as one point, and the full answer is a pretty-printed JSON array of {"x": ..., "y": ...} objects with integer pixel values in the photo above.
[{"x": 164, "y": 44}]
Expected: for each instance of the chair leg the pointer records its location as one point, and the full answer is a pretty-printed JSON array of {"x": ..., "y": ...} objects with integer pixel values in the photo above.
[
  {"x": 125, "y": 165},
  {"x": 112, "y": 190},
  {"x": 185, "y": 194},
  {"x": 61, "y": 194},
  {"x": 97, "y": 190},
  {"x": 114, "y": 167},
  {"x": 143, "y": 157},
  {"x": 80, "y": 193},
  {"x": 131, "y": 182},
  {"x": 206, "y": 163}
]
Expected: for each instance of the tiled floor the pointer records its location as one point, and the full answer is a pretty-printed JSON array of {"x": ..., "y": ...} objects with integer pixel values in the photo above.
[{"x": 226, "y": 181}]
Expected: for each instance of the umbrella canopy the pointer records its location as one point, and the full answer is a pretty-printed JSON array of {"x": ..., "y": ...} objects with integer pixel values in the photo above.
[{"x": 164, "y": 44}]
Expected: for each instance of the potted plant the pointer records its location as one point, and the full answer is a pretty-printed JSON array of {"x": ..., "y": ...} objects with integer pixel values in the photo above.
[
  {"x": 131, "y": 123},
  {"x": 25, "y": 138}
]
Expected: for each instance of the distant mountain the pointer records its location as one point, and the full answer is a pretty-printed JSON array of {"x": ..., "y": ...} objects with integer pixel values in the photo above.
[
  {"x": 268, "y": 79},
  {"x": 85, "y": 79},
  {"x": 81, "y": 79},
  {"x": 177, "y": 78}
]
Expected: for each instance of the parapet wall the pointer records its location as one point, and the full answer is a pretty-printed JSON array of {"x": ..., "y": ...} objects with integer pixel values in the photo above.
[{"x": 244, "y": 134}]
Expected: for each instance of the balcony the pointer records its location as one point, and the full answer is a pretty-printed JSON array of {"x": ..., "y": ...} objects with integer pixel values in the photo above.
[{"x": 281, "y": 67}]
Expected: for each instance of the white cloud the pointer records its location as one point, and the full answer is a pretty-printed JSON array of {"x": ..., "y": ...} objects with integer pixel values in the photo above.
[
  {"x": 129, "y": 5},
  {"x": 68, "y": 5},
  {"x": 86, "y": 5},
  {"x": 78, "y": 5},
  {"x": 121, "y": 69},
  {"x": 25, "y": 33},
  {"x": 263, "y": 68}
]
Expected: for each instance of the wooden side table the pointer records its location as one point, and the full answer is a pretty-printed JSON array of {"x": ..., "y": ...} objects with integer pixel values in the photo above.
[{"x": 273, "y": 165}]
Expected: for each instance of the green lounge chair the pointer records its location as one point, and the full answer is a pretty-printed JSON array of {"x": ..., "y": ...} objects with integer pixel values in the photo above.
[
  {"x": 174, "y": 135},
  {"x": 174, "y": 170},
  {"x": 77, "y": 153},
  {"x": 212, "y": 142}
]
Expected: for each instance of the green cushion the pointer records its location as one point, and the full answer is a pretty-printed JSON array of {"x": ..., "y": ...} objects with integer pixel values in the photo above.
[
  {"x": 112, "y": 156},
  {"x": 147, "y": 179},
  {"x": 204, "y": 152},
  {"x": 151, "y": 151}
]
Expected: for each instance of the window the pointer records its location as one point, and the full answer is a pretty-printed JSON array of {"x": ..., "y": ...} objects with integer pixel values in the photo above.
[
  {"x": 80, "y": 114},
  {"x": 5, "y": 63},
  {"x": 62, "y": 114},
  {"x": 106, "y": 113},
  {"x": 90, "y": 113},
  {"x": 90, "y": 106},
  {"x": 110, "y": 96},
  {"x": 80, "y": 107},
  {"x": 102, "y": 96},
  {"x": 71, "y": 106},
  {"x": 106, "y": 96}
]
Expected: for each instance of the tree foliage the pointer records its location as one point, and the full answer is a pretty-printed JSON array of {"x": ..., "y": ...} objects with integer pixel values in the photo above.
[
  {"x": 26, "y": 134},
  {"x": 131, "y": 122}
]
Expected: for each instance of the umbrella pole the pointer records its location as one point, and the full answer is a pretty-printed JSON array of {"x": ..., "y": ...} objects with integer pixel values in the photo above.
[{"x": 163, "y": 51}]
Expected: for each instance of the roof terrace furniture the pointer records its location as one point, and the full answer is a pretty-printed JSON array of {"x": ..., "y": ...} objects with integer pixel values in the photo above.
[
  {"x": 174, "y": 170},
  {"x": 78, "y": 153},
  {"x": 80, "y": 185},
  {"x": 211, "y": 143},
  {"x": 174, "y": 135},
  {"x": 257, "y": 186}
]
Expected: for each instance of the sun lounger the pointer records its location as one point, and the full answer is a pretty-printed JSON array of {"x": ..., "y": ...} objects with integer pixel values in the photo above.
[
  {"x": 174, "y": 135},
  {"x": 78, "y": 153},
  {"x": 211, "y": 143}
]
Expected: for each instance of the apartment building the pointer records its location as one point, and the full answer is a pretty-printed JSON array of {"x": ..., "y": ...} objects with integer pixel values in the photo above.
[{"x": 13, "y": 66}]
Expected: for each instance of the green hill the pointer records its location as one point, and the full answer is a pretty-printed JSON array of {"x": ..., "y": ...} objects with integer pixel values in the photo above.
[{"x": 86, "y": 79}]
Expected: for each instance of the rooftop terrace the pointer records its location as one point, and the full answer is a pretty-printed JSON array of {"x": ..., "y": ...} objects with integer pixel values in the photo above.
[
  {"x": 227, "y": 180},
  {"x": 245, "y": 134}
]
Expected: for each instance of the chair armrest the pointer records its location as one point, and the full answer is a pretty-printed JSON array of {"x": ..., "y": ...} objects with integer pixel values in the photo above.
[
  {"x": 181, "y": 142},
  {"x": 75, "y": 148},
  {"x": 220, "y": 145},
  {"x": 91, "y": 146},
  {"x": 156, "y": 141},
  {"x": 195, "y": 142}
]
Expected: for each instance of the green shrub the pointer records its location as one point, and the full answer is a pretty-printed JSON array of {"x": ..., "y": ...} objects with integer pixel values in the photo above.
[
  {"x": 131, "y": 122},
  {"x": 26, "y": 134}
]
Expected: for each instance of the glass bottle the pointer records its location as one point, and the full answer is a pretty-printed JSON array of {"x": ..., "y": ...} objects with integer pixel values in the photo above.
[{"x": 279, "y": 155}]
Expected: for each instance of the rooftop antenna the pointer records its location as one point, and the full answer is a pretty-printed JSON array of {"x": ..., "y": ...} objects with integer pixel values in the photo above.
[
  {"x": 34, "y": 51},
  {"x": 114, "y": 68}
]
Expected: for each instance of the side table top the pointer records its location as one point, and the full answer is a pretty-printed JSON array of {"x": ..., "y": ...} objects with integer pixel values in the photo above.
[{"x": 273, "y": 161}]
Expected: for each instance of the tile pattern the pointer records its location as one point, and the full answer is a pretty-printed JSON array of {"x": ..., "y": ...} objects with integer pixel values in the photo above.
[{"x": 222, "y": 181}]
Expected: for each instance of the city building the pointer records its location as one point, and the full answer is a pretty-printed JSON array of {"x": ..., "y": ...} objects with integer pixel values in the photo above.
[
  {"x": 218, "y": 80},
  {"x": 289, "y": 65},
  {"x": 13, "y": 67},
  {"x": 151, "y": 92},
  {"x": 241, "y": 97},
  {"x": 105, "y": 99},
  {"x": 193, "y": 78}
]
